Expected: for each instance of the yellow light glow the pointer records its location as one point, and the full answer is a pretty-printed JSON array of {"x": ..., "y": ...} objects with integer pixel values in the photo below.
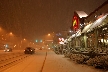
[
  {"x": 24, "y": 39},
  {"x": 49, "y": 34},
  {"x": 11, "y": 33}
]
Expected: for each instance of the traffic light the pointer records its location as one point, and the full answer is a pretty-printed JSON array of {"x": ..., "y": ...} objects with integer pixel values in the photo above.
[
  {"x": 39, "y": 40},
  {"x": 36, "y": 40}
]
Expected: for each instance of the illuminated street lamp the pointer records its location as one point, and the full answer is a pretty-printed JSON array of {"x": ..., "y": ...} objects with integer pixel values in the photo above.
[
  {"x": 10, "y": 39},
  {"x": 11, "y": 33},
  {"x": 23, "y": 43},
  {"x": 2, "y": 31},
  {"x": 49, "y": 34},
  {"x": 24, "y": 39}
]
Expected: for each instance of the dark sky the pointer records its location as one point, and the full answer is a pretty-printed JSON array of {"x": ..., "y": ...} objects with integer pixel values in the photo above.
[{"x": 36, "y": 18}]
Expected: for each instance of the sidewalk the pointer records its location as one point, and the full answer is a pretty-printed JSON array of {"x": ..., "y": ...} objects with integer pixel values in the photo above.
[{"x": 58, "y": 63}]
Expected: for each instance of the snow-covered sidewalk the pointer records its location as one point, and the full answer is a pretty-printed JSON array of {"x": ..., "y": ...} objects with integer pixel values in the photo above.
[{"x": 58, "y": 63}]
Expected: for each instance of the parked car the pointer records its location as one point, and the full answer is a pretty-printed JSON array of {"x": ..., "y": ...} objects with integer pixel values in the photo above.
[
  {"x": 29, "y": 50},
  {"x": 8, "y": 50}
]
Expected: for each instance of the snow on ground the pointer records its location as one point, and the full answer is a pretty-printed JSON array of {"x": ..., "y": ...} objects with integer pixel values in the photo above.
[
  {"x": 53, "y": 63},
  {"x": 32, "y": 64},
  {"x": 58, "y": 63}
]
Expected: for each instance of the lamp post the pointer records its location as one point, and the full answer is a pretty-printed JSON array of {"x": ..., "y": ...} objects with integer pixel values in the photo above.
[
  {"x": 10, "y": 38},
  {"x": 50, "y": 40},
  {"x": 23, "y": 43}
]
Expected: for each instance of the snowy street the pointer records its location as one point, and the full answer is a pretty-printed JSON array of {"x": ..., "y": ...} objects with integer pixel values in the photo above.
[
  {"x": 54, "y": 36},
  {"x": 49, "y": 62},
  {"x": 32, "y": 63}
]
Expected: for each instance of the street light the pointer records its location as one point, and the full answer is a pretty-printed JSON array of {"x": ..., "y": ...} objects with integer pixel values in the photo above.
[
  {"x": 23, "y": 43},
  {"x": 11, "y": 42},
  {"x": 24, "y": 39},
  {"x": 11, "y": 33},
  {"x": 49, "y": 34}
]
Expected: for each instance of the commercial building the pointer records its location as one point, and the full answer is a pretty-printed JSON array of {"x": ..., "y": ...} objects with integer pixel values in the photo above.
[{"x": 91, "y": 31}]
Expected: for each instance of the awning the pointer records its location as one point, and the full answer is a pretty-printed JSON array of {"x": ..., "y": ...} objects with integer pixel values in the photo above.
[
  {"x": 95, "y": 24},
  {"x": 86, "y": 28},
  {"x": 78, "y": 33},
  {"x": 98, "y": 22}
]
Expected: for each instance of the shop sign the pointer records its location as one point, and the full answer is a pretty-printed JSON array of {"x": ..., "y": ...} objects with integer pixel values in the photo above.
[{"x": 75, "y": 22}]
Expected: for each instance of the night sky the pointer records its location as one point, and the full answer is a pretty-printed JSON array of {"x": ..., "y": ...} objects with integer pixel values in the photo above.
[{"x": 35, "y": 18}]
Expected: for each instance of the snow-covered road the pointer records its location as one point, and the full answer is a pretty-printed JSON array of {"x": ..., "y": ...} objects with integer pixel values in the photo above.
[
  {"x": 31, "y": 64},
  {"x": 53, "y": 63}
]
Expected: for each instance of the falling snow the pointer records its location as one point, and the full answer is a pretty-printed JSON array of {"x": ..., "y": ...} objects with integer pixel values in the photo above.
[{"x": 29, "y": 17}]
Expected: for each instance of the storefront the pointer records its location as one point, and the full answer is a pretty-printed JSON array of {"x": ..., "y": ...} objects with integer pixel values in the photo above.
[
  {"x": 96, "y": 28},
  {"x": 97, "y": 33},
  {"x": 77, "y": 25}
]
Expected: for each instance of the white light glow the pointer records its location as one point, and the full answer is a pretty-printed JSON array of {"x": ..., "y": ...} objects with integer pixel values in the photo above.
[
  {"x": 98, "y": 22},
  {"x": 86, "y": 28}
]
